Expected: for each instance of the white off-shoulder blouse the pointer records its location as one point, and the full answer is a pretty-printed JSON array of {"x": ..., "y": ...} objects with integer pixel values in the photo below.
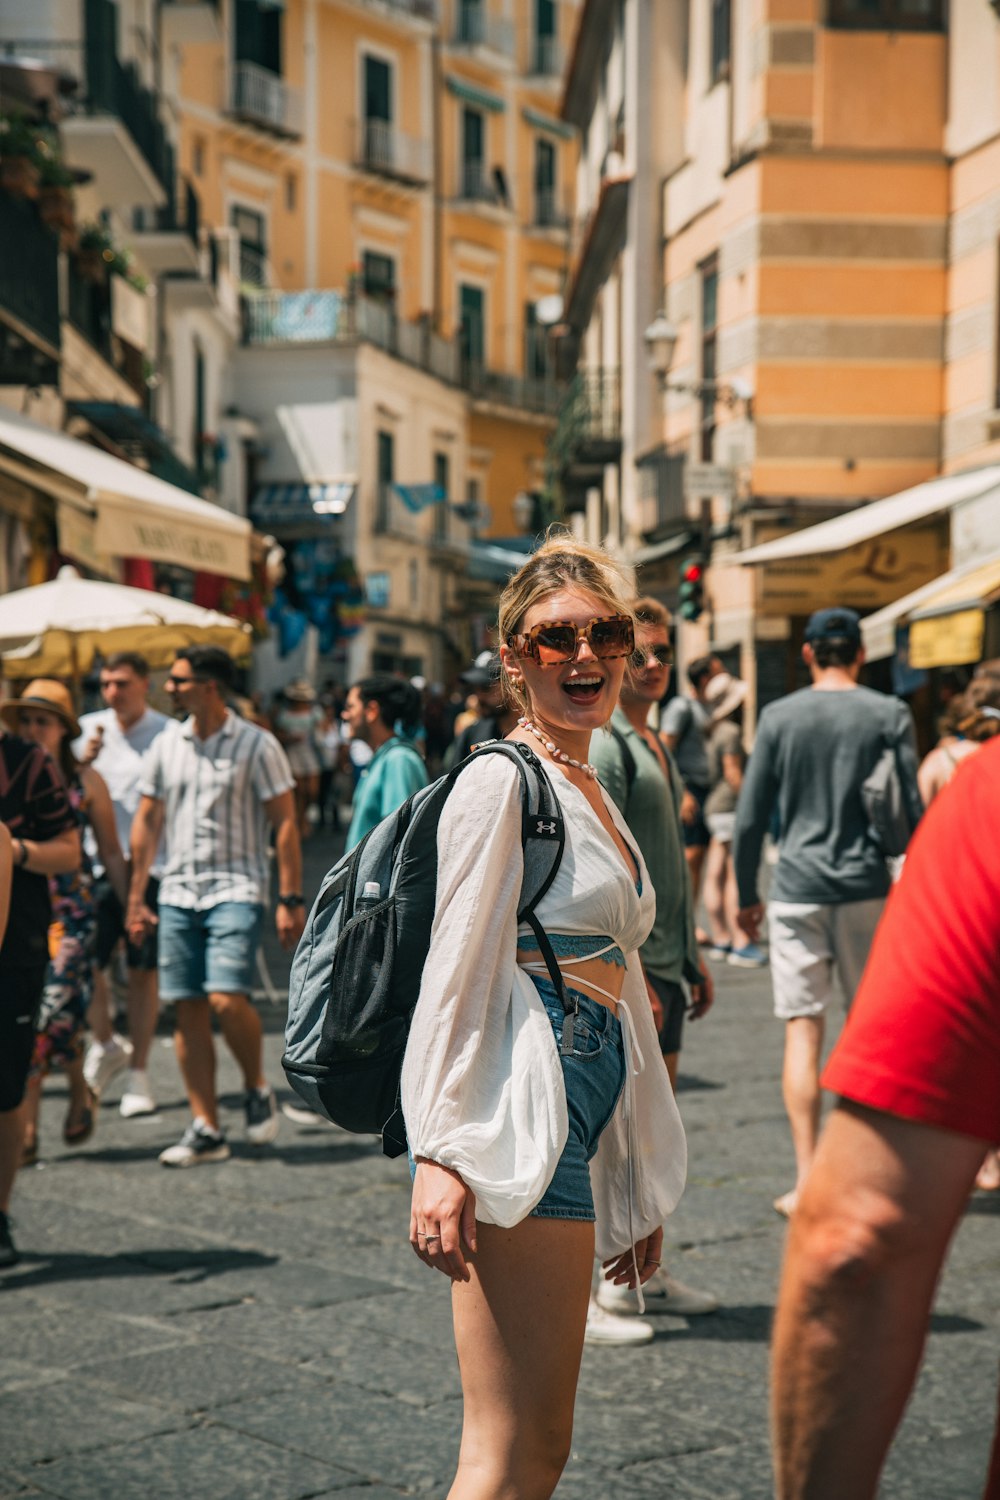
[{"x": 482, "y": 1084}]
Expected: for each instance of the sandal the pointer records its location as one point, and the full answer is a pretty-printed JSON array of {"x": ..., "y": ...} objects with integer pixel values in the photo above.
[{"x": 76, "y": 1131}]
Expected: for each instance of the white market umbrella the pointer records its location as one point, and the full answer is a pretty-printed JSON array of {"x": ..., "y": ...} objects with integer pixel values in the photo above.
[{"x": 56, "y": 629}]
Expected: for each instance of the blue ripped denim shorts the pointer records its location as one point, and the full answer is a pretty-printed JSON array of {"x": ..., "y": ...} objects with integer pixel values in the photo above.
[{"x": 594, "y": 1076}]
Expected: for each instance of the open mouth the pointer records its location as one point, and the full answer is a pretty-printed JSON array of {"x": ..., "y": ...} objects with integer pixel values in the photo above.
[{"x": 583, "y": 689}]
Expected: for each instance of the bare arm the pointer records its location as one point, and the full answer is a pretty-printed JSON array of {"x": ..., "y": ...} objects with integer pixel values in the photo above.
[
  {"x": 147, "y": 825},
  {"x": 865, "y": 1248},
  {"x": 732, "y": 771},
  {"x": 288, "y": 921},
  {"x": 57, "y": 856},
  {"x": 102, "y": 819}
]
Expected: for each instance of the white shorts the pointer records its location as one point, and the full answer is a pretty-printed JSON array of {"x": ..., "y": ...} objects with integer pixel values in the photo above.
[
  {"x": 809, "y": 943},
  {"x": 721, "y": 826}
]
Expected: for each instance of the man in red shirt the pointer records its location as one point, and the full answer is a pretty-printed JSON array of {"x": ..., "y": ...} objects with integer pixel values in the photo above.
[
  {"x": 45, "y": 841},
  {"x": 917, "y": 1070}
]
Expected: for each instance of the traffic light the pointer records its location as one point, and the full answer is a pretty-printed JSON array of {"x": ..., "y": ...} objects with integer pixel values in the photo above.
[{"x": 692, "y": 589}]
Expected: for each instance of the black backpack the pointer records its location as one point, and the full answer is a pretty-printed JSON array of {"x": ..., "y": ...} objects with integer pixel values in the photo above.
[{"x": 356, "y": 974}]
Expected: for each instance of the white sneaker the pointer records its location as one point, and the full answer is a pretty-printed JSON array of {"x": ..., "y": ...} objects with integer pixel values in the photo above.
[
  {"x": 138, "y": 1096},
  {"x": 104, "y": 1060},
  {"x": 665, "y": 1294},
  {"x": 604, "y": 1328},
  {"x": 198, "y": 1144},
  {"x": 261, "y": 1110}
]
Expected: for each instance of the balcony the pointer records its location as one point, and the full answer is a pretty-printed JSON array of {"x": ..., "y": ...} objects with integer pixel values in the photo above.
[
  {"x": 475, "y": 27},
  {"x": 517, "y": 392},
  {"x": 117, "y": 133},
  {"x": 547, "y": 58},
  {"x": 588, "y": 432},
  {"x": 480, "y": 184},
  {"x": 419, "y": 10},
  {"x": 166, "y": 239},
  {"x": 261, "y": 98},
  {"x": 29, "y": 297},
  {"x": 552, "y": 210},
  {"x": 283, "y": 319},
  {"x": 382, "y": 149}
]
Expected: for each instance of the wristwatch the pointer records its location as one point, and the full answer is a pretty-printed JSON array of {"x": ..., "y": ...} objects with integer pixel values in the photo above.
[{"x": 293, "y": 900}]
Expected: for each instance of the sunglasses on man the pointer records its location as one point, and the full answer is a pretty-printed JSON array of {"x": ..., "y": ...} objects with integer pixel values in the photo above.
[{"x": 555, "y": 642}]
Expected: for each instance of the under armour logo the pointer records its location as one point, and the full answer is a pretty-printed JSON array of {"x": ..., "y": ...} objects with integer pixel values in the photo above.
[{"x": 542, "y": 827}]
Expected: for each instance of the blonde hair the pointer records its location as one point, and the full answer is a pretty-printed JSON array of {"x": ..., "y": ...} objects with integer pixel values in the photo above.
[
  {"x": 649, "y": 611},
  {"x": 561, "y": 562}
]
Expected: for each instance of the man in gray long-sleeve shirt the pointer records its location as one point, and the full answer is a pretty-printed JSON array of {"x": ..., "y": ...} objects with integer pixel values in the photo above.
[{"x": 814, "y": 749}]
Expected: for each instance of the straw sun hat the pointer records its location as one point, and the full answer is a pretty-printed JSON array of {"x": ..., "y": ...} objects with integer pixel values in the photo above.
[{"x": 45, "y": 693}]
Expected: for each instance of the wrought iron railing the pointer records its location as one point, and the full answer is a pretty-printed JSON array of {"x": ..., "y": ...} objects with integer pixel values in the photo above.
[
  {"x": 589, "y": 417},
  {"x": 548, "y": 57},
  {"x": 475, "y": 27},
  {"x": 552, "y": 210},
  {"x": 29, "y": 271},
  {"x": 115, "y": 88},
  {"x": 382, "y": 148}
]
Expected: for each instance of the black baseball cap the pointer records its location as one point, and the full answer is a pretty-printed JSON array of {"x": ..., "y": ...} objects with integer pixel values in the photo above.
[
  {"x": 484, "y": 672},
  {"x": 834, "y": 625}
]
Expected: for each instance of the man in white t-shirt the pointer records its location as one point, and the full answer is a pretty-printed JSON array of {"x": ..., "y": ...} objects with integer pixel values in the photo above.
[{"x": 113, "y": 741}]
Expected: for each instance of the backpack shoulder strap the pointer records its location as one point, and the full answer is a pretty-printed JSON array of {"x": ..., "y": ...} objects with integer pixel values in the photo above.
[
  {"x": 543, "y": 838},
  {"x": 628, "y": 759}
]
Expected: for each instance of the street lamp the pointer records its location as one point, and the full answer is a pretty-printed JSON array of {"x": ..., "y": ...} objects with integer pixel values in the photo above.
[{"x": 660, "y": 339}]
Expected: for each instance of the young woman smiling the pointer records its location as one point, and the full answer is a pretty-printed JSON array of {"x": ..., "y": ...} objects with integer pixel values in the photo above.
[{"x": 527, "y": 1124}]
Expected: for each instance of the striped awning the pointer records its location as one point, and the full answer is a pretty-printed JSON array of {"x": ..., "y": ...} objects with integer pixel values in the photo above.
[{"x": 277, "y": 505}]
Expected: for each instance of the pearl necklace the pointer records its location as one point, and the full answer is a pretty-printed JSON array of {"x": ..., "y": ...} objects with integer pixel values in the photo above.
[{"x": 557, "y": 754}]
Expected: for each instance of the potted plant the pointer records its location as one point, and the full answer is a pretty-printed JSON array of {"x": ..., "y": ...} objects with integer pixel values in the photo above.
[
  {"x": 55, "y": 197},
  {"x": 19, "y": 157},
  {"x": 94, "y": 253}
]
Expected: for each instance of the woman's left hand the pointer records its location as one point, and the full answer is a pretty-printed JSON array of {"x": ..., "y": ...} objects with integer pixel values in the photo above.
[{"x": 647, "y": 1257}]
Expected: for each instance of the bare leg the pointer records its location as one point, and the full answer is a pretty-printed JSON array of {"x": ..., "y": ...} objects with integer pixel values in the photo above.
[
  {"x": 243, "y": 1033},
  {"x": 99, "y": 1014},
  {"x": 31, "y": 1107},
  {"x": 519, "y": 1327},
  {"x": 142, "y": 1001},
  {"x": 714, "y": 894},
  {"x": 672, "y": 1062},
  {"x": 800, "y": 1087},
  {"x": 196, "y": 1056},
  {"x": 695, "y": 862},
  {"x": 732, "y": 898},
  {"x": 988, "y": 1176},
  {"x": 864, "y": 1252}
]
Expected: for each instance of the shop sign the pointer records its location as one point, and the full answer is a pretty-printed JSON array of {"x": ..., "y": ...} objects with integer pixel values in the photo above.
[
  {"x": 865, "y": 577},
  {"x": 948, "y": 640}
]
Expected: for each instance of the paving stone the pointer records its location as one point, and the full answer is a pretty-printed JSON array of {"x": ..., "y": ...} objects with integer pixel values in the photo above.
[
  {"x": 195, "y": 1377},
  {"x": 192, "y": 1465},
  {"x": 46, "y": 1337},
  {"x": 384, "y": 1441},
  {"x": 421, "y": 1374},
  {"x": 41, "y": 1425}
]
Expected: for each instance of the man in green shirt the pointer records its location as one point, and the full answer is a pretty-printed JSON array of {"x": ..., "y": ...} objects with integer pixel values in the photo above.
[
  {"x": 643, "y": 781},
  {"x": 381, "y": 710}
]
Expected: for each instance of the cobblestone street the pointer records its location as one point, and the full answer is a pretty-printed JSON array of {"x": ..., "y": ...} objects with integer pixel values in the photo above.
[{"x": 261, "y": 1328}]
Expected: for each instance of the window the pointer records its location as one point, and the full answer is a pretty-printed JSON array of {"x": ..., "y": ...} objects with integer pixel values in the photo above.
[
  {"x": 291, "y": 192},
  {"x": 472, "y": 327},
  {"x": 377, "y": 142},
  {"x": 198, "y": 156},
  {"x": 474, "y": 184},
  {"x": 202, "y": 457},
  {"x": 442, "y": 480},
  {"x": 709, "y": 367},
  {"x": 721, "y": 39},
  {"x": 546, "y": 58},
  {"x": 414, "y": 573},
  {"x": 887, "y": 15},
  {"x": 251, "y": 227},
  {"x": 471, "y": 22},
  {"x": 386, "y": 470},
  {"x": 378, "y": 277},
  {"x": 546, "y": 213},
  {"x": 257, "y": 35},
  {"x": 536, "y": 345},
  {"x": 474, "y": 504}
]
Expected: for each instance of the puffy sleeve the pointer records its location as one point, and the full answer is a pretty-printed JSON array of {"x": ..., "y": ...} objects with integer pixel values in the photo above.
[{"x": 482, "y": 1086}]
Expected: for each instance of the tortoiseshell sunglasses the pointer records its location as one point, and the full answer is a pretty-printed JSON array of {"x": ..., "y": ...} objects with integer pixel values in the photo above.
[{"x": 557, "y": 641}]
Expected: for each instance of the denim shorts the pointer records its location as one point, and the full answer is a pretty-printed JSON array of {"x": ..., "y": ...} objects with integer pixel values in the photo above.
[
  {"x": 210, "y": 951},
  {"x": 594, "y": 1075}
]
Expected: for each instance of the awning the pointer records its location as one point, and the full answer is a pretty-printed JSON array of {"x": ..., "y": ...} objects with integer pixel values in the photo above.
[
  {"x": 108, "y": 508},
  {"x": 969, "y": 589},
  {"x": 867, "y": 521},
  {"x": 281, "y": 505},
  {"x": 468, "y": 92},
  {"x": 548, "y": 124}
]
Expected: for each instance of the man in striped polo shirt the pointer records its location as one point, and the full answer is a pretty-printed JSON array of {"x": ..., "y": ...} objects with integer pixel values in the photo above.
[{"x": 212, "y": 784}]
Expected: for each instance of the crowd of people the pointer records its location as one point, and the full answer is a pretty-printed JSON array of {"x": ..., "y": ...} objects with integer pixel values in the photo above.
[{"x": 546, "y": 1146}]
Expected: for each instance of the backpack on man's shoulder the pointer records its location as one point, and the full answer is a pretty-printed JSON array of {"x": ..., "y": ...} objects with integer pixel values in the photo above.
[{"x": 356, "y": 975}]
